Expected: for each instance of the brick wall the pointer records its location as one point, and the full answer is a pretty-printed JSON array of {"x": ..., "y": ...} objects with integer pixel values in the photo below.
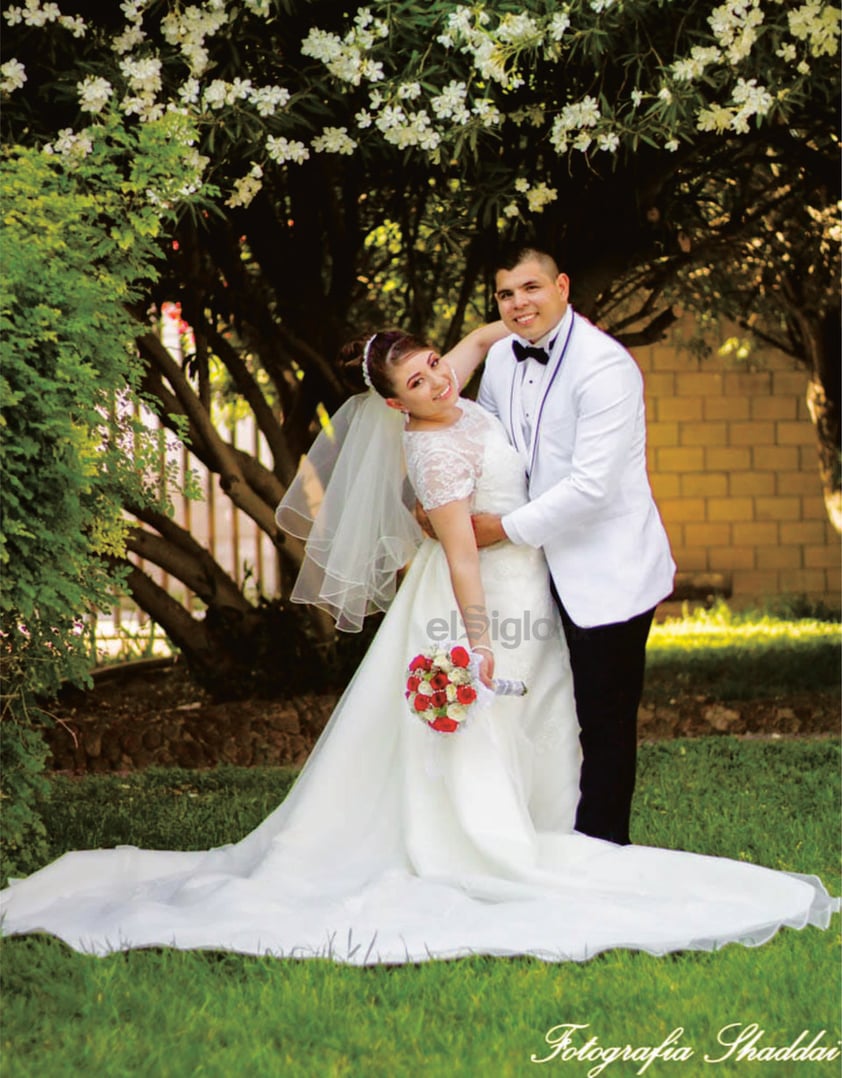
[{"x": 733, "y": 465}]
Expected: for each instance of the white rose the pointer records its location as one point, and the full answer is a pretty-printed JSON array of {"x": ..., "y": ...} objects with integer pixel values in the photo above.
[
  {"x": 457, "y": 712},
  {"x": 426, "y": 689}
]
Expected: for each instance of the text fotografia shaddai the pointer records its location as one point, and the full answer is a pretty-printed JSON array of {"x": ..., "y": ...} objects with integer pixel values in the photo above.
[
  {"x": 508, "y": 632},
  {"x": 738, "y": 1042}
]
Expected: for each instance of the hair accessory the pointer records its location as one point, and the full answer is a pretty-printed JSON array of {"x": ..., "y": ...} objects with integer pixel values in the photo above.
[{"x": 366, "y": 351}]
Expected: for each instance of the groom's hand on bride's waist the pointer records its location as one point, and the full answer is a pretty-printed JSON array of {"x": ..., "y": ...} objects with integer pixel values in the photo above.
[
  {"x": 424, "y": 520},
  {"x": 488, "y": 529}
]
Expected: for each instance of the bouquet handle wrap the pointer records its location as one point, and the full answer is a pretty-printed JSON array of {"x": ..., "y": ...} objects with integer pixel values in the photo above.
[{"x": 507, "y": 687}]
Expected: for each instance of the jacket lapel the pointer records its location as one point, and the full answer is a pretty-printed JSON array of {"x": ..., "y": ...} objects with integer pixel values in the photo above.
[
  {"x": 554, "y": 365},
  {"x": 515, "y": 426}
]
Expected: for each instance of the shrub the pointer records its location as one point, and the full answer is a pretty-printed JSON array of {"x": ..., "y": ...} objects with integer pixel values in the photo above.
[{"x": 79, "y": 236}]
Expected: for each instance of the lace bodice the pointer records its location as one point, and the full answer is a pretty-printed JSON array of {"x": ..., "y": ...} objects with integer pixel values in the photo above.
[{"x": 470, "y": 459}]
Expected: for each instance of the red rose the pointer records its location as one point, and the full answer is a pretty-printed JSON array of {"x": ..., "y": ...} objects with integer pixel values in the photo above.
[
  {"x": 421, "y": 702},
  {"x": 459, "y": 656},
  {"x": 439, "y": 699},
  {"x": 421, "y": 662},
  {"x": 444, "y": 726},
  {"x": 413, "y": 683},
  {"x": 439, "y": 680},
  {"x": 465, "y": 694}
]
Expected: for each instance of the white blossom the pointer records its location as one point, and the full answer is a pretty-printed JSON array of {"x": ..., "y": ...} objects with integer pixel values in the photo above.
[
  {"x": 487, "y": 112},
  {"x": 363, "y": 119},
  {"x": 637, "y": 98},
  {"x": 12, "y": 76},
  {"x": 282, "y": 150},
  {"x": 671, "y": 146},
  {"x": 143, "y": 75},
  {"x": 716, "y": 118},
  {"x": 189, "y": 91},
  {"x": 32, "y": 14},
  {"x": 143, "y": 106},
  {"x": 518, "y": 29},
  {"x": 755, "y": 101},
  {"x": 538, "y": 197},
  {"x": 94, "y": 93},
  {"x": 818, "y": 25},
  {"x": 734, "y": 25},
  {"x": 405, "y": 130},
  {"x": 391, "y": 116},
  {"x": 268, "y": 99},
  {"x": 511, "y": 210},
  {"x": 450, "y": 103},
  {"x": 693, "y": 67},
  {"x": 608, "y": 141},
  {"x": 490, "y": 62},
  {"x": 372, "y": 70},
  {"x": 787, "y": 52},
  {"x": 521, "y": 185},
  {"x": 70, "y": 145},
  {"x": 187, "y": 29},
  {"x": 601, "y": 5},
  {"x": 334, "y": 140},
  {"x": 573, "y": 117},
  {"x": 133, "y": 9},
  {"x": 558, "y": 26},
  {"x": 408, "y": 91},
  {"x": 321, "y": 45},
  {"x": 74, "y": 23},
  {"x": 364, "y": 18},
  {"x": 130, "y": 38},
  {"x": 215, "y": 94},
  {"x": 246, "y": 187},
  {"x": 344, "y": 59}
]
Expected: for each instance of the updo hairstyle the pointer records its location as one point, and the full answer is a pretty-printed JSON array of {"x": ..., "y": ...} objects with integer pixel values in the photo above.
[{"x": 379, "y": 354}]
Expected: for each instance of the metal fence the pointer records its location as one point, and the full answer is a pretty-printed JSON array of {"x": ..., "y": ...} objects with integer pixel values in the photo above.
[{"x": 233, "y": 539}]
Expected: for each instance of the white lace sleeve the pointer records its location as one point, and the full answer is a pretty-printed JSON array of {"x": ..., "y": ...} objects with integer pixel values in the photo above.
[{"x": 441, "y": 467}]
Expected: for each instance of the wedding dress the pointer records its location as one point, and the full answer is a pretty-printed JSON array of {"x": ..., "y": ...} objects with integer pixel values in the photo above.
[{"x": 398, "y": 844}]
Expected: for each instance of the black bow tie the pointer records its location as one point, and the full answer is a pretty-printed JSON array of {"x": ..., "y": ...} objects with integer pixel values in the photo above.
[{"x": 524, "y": 351}]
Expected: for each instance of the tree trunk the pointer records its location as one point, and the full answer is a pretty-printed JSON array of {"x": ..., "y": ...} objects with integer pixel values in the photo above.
[{"x": 823, "y": 399}]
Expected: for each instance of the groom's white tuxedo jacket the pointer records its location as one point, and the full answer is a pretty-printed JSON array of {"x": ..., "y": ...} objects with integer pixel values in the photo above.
[{"x": 591, "y": 506}]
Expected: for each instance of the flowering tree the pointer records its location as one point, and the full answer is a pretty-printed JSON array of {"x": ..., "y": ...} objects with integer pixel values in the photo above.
[{"x": 370, "y": 158}]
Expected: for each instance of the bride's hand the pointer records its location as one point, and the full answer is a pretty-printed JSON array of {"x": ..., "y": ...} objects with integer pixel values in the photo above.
[{"x": 486, "y": 666}]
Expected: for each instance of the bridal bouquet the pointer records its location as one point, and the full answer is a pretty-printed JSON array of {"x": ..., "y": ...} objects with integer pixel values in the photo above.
[{"x": 444, "y": 687}]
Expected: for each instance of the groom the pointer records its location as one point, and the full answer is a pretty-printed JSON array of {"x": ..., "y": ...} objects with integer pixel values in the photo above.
[{"x": 571, "y": 400}]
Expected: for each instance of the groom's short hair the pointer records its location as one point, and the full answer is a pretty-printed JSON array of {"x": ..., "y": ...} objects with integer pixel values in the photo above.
[{"x": 514, "y": 253}]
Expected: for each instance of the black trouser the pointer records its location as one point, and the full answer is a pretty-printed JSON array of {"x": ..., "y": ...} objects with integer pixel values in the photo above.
[{"x": 608, "y": 664}]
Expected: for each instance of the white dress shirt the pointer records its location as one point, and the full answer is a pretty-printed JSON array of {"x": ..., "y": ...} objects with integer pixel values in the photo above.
[{"x": 532, "y": 376}]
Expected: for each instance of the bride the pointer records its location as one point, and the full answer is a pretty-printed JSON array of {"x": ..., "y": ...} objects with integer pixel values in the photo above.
[{"x": 397, "y": 843}]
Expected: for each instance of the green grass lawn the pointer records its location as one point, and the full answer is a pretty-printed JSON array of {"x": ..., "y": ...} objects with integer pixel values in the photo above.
[
  {"x": 730, "y": 655},
  {"x": 169, "y": 1013}
]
